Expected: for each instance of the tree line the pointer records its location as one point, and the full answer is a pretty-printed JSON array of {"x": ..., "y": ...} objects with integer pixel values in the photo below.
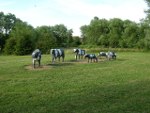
[
  {"x": 116, "y": 33},
  {"x": 20, "y": 38}
]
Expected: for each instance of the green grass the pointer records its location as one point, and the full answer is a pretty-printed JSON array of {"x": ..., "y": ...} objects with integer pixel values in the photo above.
[{"x": 121, "y": 86}]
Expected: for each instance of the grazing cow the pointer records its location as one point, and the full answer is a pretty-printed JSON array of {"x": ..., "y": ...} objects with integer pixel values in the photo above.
[
  {"x": 91, "y": 57},
  {"x": 57, "y": 53},
  {"x": 111, "y": 55},
  {"x": 102, "y": 54},
  {"x": 36, "y": 56},
  {"x": 79, "y": 53}
]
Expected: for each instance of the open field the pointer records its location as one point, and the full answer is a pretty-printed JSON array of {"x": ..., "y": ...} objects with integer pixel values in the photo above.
[{"x": 120, "y": 86}]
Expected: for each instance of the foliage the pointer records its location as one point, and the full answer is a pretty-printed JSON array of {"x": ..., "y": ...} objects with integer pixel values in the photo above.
[
  {"x": 62, "y": 35},
  {"x": 7, "y": 22},
  {"x": 17, "y": 37},
  {"x": 147, "y": 19},
  {"x": 24, "y": 35},
  {"x": 76, "y": 41},
  {"x": 116, "y": 30},
  {"x": 10, "y": 46},
  {"x": 27, "y": 38},
  {"x": 147, "y": 40},
  {"x": 45, "y": 38},
  {"x": 53, "y": 36},
  {"x": 115, "y": 33}
]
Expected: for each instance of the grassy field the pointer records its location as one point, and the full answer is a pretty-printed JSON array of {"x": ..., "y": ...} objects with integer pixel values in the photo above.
[{"x": 120, "y": 86}]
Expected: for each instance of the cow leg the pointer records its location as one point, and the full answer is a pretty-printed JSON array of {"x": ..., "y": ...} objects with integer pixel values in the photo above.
[
  {"x": 88, "y": 60},
  {"x": 33, "y": 63},
  {"x": 53, "y": 59},
  {"x": 76, "y": 56},
  {"x": 79, "y": 56},
  {"x": 96, "y": 59},
  {"x": 39, "y": 62}
]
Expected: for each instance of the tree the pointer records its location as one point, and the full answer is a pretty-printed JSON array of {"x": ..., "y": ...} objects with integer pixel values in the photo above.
[
  {"x": 7, "y": 23},
  {"x": 96, "y": 33},
  {"x": 46, "y": 39},
  {"x": 61, "y": 34},
  {"x": 147, "y": 19},
  {"x": 23, "y": 34},
  {"x": 69, "y": 38},
  {"x": 10, "y": 46},
  {"x": 130, "y": 35},
  {"x": 2, "y": 22},
  {"x": 84, "y": 33},
  {"x": 10, "y": 20},
  {"x": 146, "y": 22},
  {"x": 147, "y": 40},
  {"x": 76, "y": 41},
  {"x": 116, "y": 30}
]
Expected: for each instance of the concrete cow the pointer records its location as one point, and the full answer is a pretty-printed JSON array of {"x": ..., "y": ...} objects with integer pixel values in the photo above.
[
  {"x": 36, "y": 57},
  {"x": 79, "y": 53},
  {"x": 91, "y": 57},
  {"x": 57, "y": 53}
]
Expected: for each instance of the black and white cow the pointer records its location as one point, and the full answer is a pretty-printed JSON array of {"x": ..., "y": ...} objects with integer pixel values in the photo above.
[
  {"x": 111, "y": 55},
  {"x": 102, "y": 54},
  {"x": 91, "y": 57},
  {"x": 36, "y": 56},
  {"x": 57, "y": 53},
  {"x": 79, "y": 53}
]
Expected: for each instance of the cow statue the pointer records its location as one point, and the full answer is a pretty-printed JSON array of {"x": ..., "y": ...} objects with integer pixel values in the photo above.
[
  {"x": 111, "y": 55},
  {"x": 36, "y": 57},
  {"x": 102, "y": 54},
  {"x": 57, "y": 53},
  {"x": 79, "y": 53},
  {"x": 91, "y": 57}
]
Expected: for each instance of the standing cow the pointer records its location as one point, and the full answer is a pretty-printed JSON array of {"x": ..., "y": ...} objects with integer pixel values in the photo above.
[
  {"x": 79, "y": 53},
  {"x": 36, "y": 56},
  {"x": 102, "y": 54},
  {"x": 111, "y": 55},
  {"x": 57, "y": 53},
  {"x": 91, "y": 57}
]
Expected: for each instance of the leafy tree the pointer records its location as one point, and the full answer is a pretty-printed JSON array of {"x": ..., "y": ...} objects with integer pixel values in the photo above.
[
  {"x": 10, "y": 20},
  {"x": 96, "y": 33},
  {"x": 2, "y": 22},
  {"x": 24, "y": 35},
  {"x": 76, "y": 41},
  {"x": 116, "y": 29},
  {"x": 146, "y": 22},
  {"x": 7, "y": 22},
  {"x": 69, "y": 38},
  {"x": 46, "y": 39},
  {"x": 130, "y": 36},
  {"x": 62, "y": 35},
  {"x": 113, "y": 33},
  {"x": 147, "y": 19},
  {"x": 147, "y": 40},
  {"x": 84, "y": 33},
  {"x": 10, "y": 46}
]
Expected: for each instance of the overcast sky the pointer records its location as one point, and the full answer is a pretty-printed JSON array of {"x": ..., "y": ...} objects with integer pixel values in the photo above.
[{"x": 72, "y": 13}]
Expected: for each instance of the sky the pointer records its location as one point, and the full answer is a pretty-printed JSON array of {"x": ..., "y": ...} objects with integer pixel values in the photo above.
[{"x": 73, "y": 13}]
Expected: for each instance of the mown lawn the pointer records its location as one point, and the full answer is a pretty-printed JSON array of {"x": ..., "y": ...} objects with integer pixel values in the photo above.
[{"x": 120, "y": 86}]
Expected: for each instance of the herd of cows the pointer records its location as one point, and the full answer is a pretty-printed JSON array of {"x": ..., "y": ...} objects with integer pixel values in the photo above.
[{"x": 79, "y": 54}]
